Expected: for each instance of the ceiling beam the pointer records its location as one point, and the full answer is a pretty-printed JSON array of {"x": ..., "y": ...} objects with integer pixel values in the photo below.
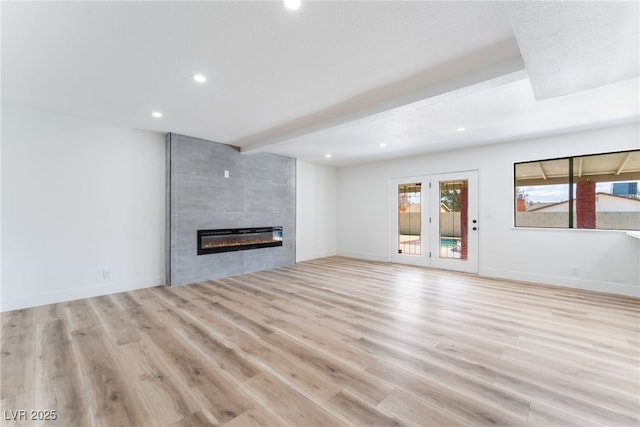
[{"x": 481, "y": 70}]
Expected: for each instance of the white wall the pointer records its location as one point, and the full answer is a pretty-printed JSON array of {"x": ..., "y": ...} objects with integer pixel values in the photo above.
[
  {"x": 78, "y": 198},
  {"x": 315, "y": 211},
  {"x": 606, "y": 261}
]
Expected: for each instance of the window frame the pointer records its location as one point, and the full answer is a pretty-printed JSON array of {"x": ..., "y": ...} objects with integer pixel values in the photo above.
[{"x": 571, "y": 182}]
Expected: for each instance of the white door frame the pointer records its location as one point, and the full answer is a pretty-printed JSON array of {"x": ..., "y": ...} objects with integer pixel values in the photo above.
[
  {"x": 430, "y": 217},
  {"x": 469, "y": 265}
]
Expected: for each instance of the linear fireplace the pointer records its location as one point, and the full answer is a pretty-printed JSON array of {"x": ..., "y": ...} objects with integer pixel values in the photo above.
[{"x": 238, "y": 239}]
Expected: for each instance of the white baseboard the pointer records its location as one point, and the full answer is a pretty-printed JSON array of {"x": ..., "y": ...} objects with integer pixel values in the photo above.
[
  {"x": 564, "y": 281},
  {"x": 360, "y": 255},
  {"x": 27, "y": 301},
  {"x": 545, "y": 279},
  {"x": 316, "y": 256}
]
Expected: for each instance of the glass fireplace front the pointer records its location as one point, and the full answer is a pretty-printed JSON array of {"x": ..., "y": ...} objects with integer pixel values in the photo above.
[{"x": 238, "y": 239}]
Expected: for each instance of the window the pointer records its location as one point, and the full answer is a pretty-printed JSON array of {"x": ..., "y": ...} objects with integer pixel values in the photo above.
[{"x": 594, "y": 191}]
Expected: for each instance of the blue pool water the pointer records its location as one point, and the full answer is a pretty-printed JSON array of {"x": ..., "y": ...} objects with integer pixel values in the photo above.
[
  {"x": 449, "y": 243},
  {"x": 444, "y": 242}
]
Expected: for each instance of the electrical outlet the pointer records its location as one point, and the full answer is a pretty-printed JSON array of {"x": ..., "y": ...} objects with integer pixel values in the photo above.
[
  {"x": 226, "y": 174},
  {"x": 106, "y": 274}
]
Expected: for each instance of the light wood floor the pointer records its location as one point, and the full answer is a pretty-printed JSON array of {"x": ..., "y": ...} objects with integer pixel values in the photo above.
[{"x": 328, "y": 342}]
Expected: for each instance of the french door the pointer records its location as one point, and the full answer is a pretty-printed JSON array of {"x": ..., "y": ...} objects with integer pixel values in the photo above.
[{"x": 434, "y": 221}]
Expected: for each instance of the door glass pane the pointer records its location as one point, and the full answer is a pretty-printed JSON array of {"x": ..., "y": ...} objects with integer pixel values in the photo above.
[
  {"x": 453, "y": 222},
  {"x": 409, "y": 219}
]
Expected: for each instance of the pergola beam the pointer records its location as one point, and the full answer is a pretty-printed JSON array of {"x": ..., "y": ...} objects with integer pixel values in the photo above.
[
  {"x": 624, "y": 163},
  {"x": 580, "y": 166},
  {"x": 606, "y": 177},
  {"x": 544, "y": 175}
]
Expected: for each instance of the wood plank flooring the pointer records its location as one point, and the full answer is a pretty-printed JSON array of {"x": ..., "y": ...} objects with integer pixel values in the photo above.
[{"x": 328, "y": 342}]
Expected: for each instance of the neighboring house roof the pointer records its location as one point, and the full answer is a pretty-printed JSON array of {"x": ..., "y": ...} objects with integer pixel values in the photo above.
[
  {"x": 599, "y": 194},
  {"x": 541, "y": 205}
]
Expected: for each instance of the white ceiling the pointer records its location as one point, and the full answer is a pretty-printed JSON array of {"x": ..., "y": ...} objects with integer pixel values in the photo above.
[{"x": 332, "y": 77}]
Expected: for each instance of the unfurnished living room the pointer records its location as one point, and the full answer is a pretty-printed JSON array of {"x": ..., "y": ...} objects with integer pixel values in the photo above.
[{"x": 320, "y": 213}]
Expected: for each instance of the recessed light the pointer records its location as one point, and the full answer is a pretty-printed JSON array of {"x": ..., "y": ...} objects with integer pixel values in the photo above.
[
  {"x": 156, "y": 114},
  {"x": 292, "y": 4},
  {"x": 383, "y": 145},
  {"x": 328, "y": 156},
  {"x": 199, "y": 78},
  {"x": 461, "y": 129}
]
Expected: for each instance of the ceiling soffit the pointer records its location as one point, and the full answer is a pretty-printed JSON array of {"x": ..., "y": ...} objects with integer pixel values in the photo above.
[{"x": 571, "y": 46}]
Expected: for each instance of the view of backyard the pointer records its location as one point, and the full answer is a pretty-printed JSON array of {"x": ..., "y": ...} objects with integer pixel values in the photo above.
[
  {"x": 452, "y": 205},
  {"x": 597, "y": 191}
]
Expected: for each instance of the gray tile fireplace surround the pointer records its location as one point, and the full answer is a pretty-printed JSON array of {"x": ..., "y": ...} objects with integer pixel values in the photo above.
[{"x": 259, "y": 192}]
